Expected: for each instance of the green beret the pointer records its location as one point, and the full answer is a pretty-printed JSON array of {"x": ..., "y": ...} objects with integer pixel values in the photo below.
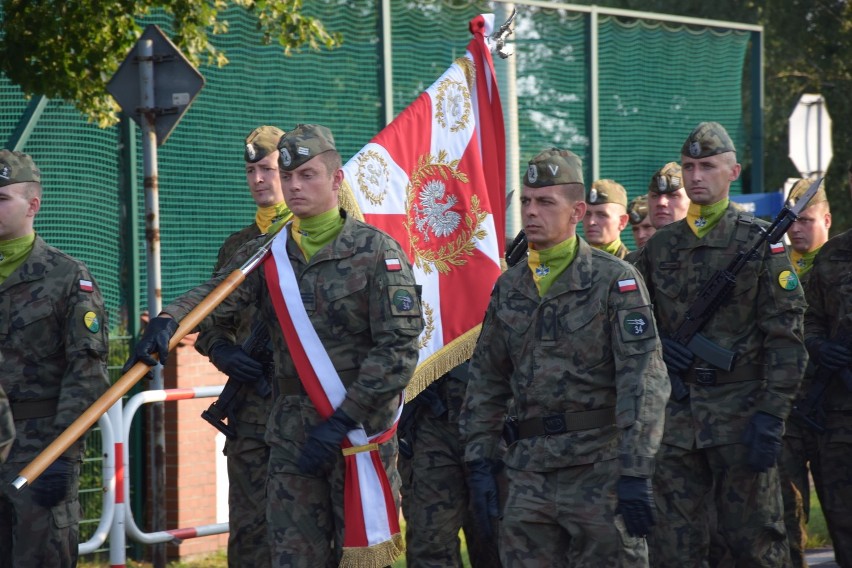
[
  {"x": 261, "y": 142},
  {"x": 17, "y": 167},
  {"x": 554, "y": 167},
  {"x": 667, "y": 179},
  {"x": 708, "y": 139},
  {"x": 637, "y": 209},
  {"x": 303, "y": 143},
  {"x": 607, "y": 191},
  {"x": 800, "y": 187}
]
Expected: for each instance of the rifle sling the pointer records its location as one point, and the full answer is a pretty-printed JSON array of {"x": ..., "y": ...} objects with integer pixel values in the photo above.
[{"x": 711, "y": 377}]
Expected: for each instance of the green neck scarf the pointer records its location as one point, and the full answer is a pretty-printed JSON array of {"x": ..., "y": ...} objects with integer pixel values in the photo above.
[
  {"x": 313, "y": 233},
  {"x": 702, "y": 218},
  {"x": 13, "y": 253},
  {"x": 272, "y": 214},
  {"x": 802, "y": 262},
  {"x": 547, "y": 264},
  {"x": 611, "y": 248}
]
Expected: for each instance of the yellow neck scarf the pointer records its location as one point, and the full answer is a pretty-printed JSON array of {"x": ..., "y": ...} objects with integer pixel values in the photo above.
[
  {"x": 313, "y": 233},
  {"x": 802, "y": 262},
  {"x": 13, "y": 253},
  {"x": 611, "y": 248},
  {"x": 547, "y": 264},
  {"x": 702, "y": 218},
  {"x": 268, "y": 216}
]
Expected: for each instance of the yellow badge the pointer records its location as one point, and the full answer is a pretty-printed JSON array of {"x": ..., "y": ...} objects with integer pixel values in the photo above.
[
  {"x": 788, "y": 280},
  {"x": 92, "y": 322}
]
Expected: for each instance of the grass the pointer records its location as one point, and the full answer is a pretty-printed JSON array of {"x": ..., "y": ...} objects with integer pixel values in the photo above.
[{"x": 817, "y": 531}]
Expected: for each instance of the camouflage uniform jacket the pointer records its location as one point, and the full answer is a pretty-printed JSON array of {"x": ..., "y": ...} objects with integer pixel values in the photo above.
[
  {"x": 349, "y": 294},
  {"x": 49, "y": 351},
  {"x": 590, "y": 343},
  {"x": 761, "y": 322},
  {"x": 829, "y": 295},
  {"x": 250, "y": 407}
]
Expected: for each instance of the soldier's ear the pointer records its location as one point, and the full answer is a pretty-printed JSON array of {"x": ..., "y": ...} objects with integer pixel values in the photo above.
[
  {"x": 578, "y": 211},
  {"x": 34, "y": 206}
]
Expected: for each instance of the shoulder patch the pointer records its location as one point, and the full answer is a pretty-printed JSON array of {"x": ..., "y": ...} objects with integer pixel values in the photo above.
[
  {"x": 776, "y": 248},
  {"x": 393, "y": 264},
  {"x": 788, "y": 280},
  {"x": 86, "y": 285},
  {"x": 636, "y": 324},
  {"x": 627, "y": 285},
  {"x": 91, "y": 321},
  {"x": 403, "y": 300}
]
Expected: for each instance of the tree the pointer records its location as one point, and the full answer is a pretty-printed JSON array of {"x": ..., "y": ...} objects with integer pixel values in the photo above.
[{"x": 70, "y": 50}]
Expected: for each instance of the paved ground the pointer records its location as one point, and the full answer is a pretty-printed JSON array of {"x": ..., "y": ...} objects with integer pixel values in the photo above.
[{"x": 822, "y": 557}]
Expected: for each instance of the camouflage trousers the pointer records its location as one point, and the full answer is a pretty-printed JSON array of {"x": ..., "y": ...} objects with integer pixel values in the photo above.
[
  {"x": 713, "y": 491},
  {"x": 248, "y": 538},
  {"x": 32, "y": 536},
  {"x": 566, "y": 518},
  {"x": 796, "y": 492},
  {"x": 305, "y": 513},
  {"x": 435, "y": 499},
  {"x": 831, "y": 468}
]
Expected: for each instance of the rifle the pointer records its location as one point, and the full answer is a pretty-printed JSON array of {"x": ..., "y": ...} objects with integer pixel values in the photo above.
[
  {"x": 811, "y": 412},
  {"x": 256, "y": 346},
  {"x": 517, "y": 250},
  {"x": 717, "y": 289}
]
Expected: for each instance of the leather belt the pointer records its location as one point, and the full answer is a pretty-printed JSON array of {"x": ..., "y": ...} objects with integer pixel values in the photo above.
[
  {"x": 710, "y": 377},
  {"x": 27, "y": 409},
  {"x": 566, "y": 422}
]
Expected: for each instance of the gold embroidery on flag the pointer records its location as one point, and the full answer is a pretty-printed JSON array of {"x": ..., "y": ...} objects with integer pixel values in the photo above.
[
  {"x": 373, "y": 176},
  {"x": 429, "y": 317},
  {"x": 452, "y": 100},
  {"x": 427, "y": 189}
]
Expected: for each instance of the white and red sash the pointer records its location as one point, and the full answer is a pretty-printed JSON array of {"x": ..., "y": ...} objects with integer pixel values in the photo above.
[{"x": 371, "y": 524}]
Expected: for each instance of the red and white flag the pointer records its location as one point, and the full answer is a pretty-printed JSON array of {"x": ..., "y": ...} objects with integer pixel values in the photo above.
[{"x": 434, "y": 179}]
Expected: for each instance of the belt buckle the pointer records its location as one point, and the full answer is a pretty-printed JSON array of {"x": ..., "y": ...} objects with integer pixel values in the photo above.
[
  {"x": 705, "y": 377},
  {"x": 554, "y": 424}
]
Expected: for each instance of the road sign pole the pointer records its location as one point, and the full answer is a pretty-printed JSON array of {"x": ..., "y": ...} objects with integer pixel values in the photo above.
[{"x": 157, "y": 440}]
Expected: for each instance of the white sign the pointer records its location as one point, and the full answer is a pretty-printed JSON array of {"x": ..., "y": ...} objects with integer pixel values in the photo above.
[{"x": 810, "y": 136}]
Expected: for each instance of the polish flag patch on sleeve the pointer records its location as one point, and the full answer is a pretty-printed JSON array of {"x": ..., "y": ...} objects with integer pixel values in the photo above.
[
  {"x": 86, "y": 285},
  {"x": 776, "y": 248},
  {"x": 393, "y": 264},
  {"x": 628, "y": 285}
]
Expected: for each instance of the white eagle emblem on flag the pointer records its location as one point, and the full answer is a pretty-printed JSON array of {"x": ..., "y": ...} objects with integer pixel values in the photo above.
[{"x": 434, "y": 214}]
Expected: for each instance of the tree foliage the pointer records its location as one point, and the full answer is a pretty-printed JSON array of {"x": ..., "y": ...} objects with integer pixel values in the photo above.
[{"x": 69, "y": 49}]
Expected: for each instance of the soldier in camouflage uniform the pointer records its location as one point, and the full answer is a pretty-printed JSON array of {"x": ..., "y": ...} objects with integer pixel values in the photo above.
[
  {"x": 53, "y": 344},
  {"x": 569, "y": 337},
  {"x": 360, "y": 295},
  {"x": 828, "y": 335},
  {"x": 7, "y": 424},
  {"x": 640, "y": 223},
  {"x": 247, "y": 452},
  {"x": 435, "y": 497},
  {"x": 716, "y": 467},
  {"x": 667, "y": 199},
  {"x": 807, "y": 235},
  {"x": 606, "y": 216}
]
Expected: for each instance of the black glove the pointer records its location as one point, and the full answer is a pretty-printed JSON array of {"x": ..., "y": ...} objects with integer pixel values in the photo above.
[
  {"x": 829, "y": 354},
  {"x": 156, "y": 338},
  {"x": 482, "y": 484},
  {"x": 676, "y": 357},
  {"x": 236, "y": 363},
  {"x": 636, "y": 504},
  {"x": 763, "y": 438},
  {"x": 323, "y": 443},
  {"x": 52, "y": 486}
]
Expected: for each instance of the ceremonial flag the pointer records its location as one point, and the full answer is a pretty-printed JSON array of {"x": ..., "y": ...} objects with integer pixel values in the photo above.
[{"x": 434, "y": 179}]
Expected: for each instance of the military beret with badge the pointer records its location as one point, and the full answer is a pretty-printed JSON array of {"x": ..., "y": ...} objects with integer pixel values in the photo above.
[
  {"x": 17, "y": 167},
  {"x": 607, "y": 191},
  {"x": 667, "y": 179},
  {"x": 554, "y": 167},
  {"x": 707, "y": 139},
  {"x": 637, "y": 209},
  {"x": 261, "y": 142},
  {"x": 305, "y": 142}
]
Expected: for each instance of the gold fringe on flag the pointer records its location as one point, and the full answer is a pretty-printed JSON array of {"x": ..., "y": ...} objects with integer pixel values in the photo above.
[
  {"x": 376, "y": 556},
  {"x": 437, "y": 364}
]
